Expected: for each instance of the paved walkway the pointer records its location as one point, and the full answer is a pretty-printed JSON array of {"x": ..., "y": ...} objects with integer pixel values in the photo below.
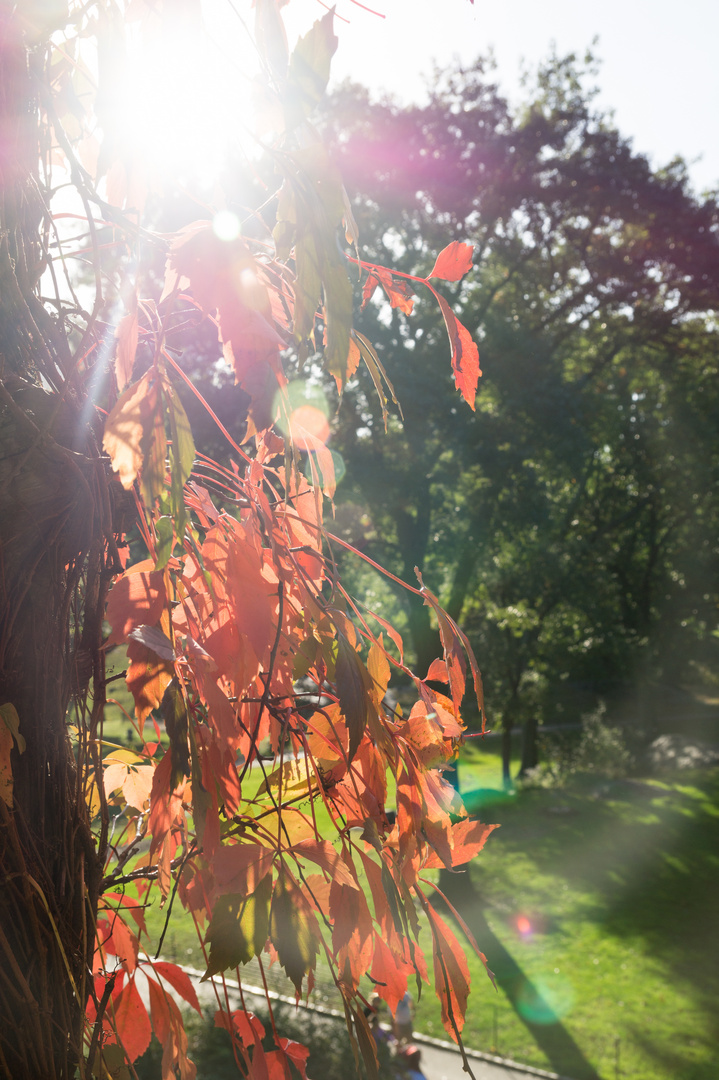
[{"x": 440, "y": 1060}]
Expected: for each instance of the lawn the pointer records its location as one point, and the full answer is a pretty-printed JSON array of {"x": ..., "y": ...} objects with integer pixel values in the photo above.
[{"x": 597, "y": 907}]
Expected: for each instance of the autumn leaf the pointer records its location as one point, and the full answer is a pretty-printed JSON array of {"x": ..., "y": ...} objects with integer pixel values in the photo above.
[
  {"x": 352, "y": 692},
  {"x": 248, "y": 1027},
  {"x": 132, "y": 1022},
  {"x": 465, "y": 354},
  {"x": 309, "y": 70},
  {"x": 239, "y": 868},
  {"x": 122, "y": 769},
  {"x": 126, "y": 335},
  {"x": 451, "y": 974},
  {"x": 137, "y": 598},
  {"x": 324, "y": 855},
  {"x": 147, "y": 678},
  {"x": 453, "y": 262},
  {"x": 466, "y": 839},
  {"x": 179, "y": 980},
  {"x": 127, "y": 426}
]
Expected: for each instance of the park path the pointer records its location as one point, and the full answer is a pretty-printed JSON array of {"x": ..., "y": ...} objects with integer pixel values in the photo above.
[{"x": 440, "y": 1060}]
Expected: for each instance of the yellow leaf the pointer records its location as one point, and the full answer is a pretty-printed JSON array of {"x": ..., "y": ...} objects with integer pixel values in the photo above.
[{"x": 125, "y": 427}]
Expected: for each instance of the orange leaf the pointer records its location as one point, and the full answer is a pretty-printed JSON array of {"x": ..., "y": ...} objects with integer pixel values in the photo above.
[
  {"x": 467, "y": 838},
  {"x": 126, "y": 334},
  {"x": 389, "y": 973},
  {"x": 147, "y": 678},
  {"x": 437, "y": 672},
  {"x": 248, "y": 1027},
  {"x": 133, "y": 1024},
  {"x": 451, "y": 974},
  {"x": 239, "y": 868},
  {"x": 324, "y": 855},
  {"x": 137, "y": 598},
  {"x": 465, "y": 354},
  {"x": 453, "y": 262},
  {"x": 180, "y": 981},
  {"x": 125, "y": 428}
]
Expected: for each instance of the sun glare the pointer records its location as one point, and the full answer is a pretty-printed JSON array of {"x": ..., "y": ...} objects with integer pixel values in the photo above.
[{"x": 183, "y": 100}]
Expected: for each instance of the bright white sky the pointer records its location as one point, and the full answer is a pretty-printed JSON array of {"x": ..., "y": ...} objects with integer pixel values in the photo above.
[{"x": 660, "y": 58}]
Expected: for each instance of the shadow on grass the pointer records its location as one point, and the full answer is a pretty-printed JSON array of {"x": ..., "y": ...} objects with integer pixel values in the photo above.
[
  {"x": 552, "y": 1038},
  {"x": 645, "y": 861}
]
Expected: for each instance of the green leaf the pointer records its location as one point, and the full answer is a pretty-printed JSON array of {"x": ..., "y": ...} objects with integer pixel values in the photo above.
[
  {"x": 309, "y": 70},
  {"x": 154, "y": 452},
  {"x": 238, "y": 928},
  {"x": 378, "y": 374},
  {"x": 165, "y": 542},
  {"x": 182, "y": 458},
  {"x": 174, "y": 713},
  {"x": 352, "y": 683},
  {"x": 293, "y": 930}
]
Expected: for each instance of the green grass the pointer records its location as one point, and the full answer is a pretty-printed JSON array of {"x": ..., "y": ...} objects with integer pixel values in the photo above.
[{"x": 620, "y": 892}]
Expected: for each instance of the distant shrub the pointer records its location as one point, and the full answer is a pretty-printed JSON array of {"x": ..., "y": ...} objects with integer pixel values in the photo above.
[{"x": 598, "y": 749}]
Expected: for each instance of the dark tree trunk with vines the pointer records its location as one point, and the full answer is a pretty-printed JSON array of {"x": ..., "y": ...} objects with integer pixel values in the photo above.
[{"x": 54, "y": 514}]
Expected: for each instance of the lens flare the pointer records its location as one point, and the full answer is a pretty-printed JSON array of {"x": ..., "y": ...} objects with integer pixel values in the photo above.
[
  {"x": 546, "y": 1001},
  {"x": 524, "y": 926},
  {"x": 308, "y": 419},
  {"x": 303, "y": 410},
  {"x": 226, "y": 225}
]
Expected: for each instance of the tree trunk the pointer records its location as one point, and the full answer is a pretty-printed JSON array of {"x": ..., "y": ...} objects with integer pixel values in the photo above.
[
  {"x": 53, "y": 496},
  {"x": 530, "y": 752}
]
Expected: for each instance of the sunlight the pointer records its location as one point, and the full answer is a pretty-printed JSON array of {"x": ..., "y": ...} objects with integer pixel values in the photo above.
[{"x": 182, "y": 97}]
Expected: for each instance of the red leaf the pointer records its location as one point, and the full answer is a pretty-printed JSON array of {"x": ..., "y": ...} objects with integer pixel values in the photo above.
[
  {"x": 437, "y": 672},
  {"x": 467, "y": 838},
  {"x": 298, "y": 1054},
  {"x": 277, "y": 1068},
  {"x": 324, "y": 855},
  {"x": 465, "y": 354},
  {"x": 132, "y": 1022},
  {"x": 451, "y": 974},
  {"x": 246, "y": 1025},
  {"x": 159, "y": 1009},
  {"x": 399, "y": 291},
  {"x": 453, "y": 262},
  {"x": 126, "y": 945},
  {"x": 136, "y": 599},
  {"x": 180, "y": 981},
  {"x": 389, "y": 973},
  {"x": 239, "y": 868}
]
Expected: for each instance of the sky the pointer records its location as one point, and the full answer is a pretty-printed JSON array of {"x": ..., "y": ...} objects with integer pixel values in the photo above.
[{"x": 659, "y": 72}]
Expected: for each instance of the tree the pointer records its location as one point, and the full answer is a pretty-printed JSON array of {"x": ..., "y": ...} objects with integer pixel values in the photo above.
[
  {"x": 215, "y": 578},
  {"x": 555, "y": 520}
]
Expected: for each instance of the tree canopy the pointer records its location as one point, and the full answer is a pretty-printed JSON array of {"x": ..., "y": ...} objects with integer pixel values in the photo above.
[{"x": 570, "y": 521}]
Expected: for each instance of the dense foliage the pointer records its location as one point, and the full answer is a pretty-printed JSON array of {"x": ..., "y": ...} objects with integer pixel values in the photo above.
[
  {"x": 214, "y": 577},
  {"x": 570, "y": 522}
]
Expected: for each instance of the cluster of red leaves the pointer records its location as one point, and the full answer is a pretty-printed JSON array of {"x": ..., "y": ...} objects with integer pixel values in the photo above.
[
  {"x": 232, "y": 609},
  {"x": 216, "y": 641}
]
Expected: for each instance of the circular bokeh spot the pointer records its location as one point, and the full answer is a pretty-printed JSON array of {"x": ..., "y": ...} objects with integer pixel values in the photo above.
[
  {"x": 304, "y": 411},
  {"x": 226, "y": 225}
]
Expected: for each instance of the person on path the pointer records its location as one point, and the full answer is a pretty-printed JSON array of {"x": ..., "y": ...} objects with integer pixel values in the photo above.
[{"x": 403, "y": 1017}]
